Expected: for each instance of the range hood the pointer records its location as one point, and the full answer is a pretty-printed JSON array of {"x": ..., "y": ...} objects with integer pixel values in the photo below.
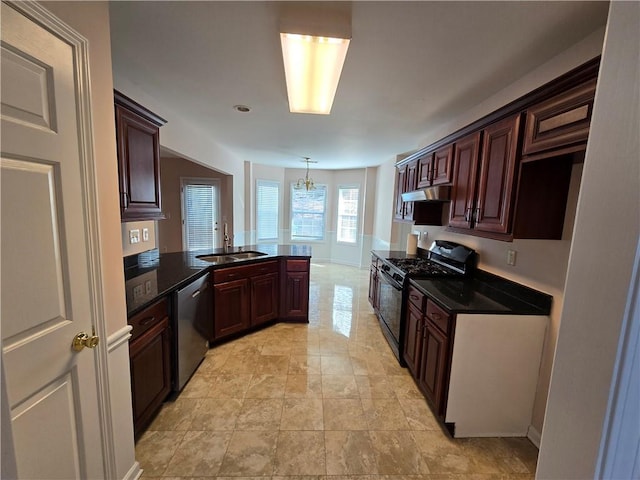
[{"x": 440, "y": 193}]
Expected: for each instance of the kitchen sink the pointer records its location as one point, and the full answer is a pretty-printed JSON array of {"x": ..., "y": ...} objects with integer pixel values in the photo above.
[
  {"x": 225, "y": 257},
  {"x": 244, "y": 255}
]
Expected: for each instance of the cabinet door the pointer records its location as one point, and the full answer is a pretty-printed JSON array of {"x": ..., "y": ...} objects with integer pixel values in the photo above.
[
  {"x": 231, "y": 307},
  {"x": 433, "y": 366},
  {"x": 297, "y": 295},
  {"x": 150, "y": 365},
  {"x": 561, "y": 121},
  {"x": 264, "y": 298},
  {"x": 441, "y": 170},
  {"x": 497, "y": 173},
  {"x": 413, "y": 339},
  {"x": 139, "y": 166},
  {"x": 412, "y": 182},
  {"x": 464, "y": 181},
  {"x": 401, "y": 183},
  {"x": 424, "y": 170}
]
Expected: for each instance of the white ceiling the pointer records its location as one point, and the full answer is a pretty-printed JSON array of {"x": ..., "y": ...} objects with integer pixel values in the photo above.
[{"x": 411, "y": 66}]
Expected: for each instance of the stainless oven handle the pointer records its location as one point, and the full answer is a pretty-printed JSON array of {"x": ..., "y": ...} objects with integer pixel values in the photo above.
[{"x": 390, "y": 280}]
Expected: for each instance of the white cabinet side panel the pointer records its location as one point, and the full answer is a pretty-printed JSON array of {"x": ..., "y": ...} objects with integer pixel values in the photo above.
[{"x": 494, "y": 373}]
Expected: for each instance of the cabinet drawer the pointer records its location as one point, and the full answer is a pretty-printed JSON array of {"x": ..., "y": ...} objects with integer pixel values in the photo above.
[
  {"x": 232, "y": 273},
  {"x": 438, "y": 316},
  {"x": 147, "y": 318},
  {"x": 264, "y": 268},
  {"x": 297, "y": 265},
  {"x": 416, "y": 298}
]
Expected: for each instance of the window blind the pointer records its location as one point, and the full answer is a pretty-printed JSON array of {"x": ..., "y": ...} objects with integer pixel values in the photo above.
[
  {"x": 200, "y": 206},
  {"x": 267, "y": 212}
]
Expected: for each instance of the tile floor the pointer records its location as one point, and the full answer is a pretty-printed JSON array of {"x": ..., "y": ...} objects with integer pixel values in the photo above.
[{"x": 316, "y": 400}]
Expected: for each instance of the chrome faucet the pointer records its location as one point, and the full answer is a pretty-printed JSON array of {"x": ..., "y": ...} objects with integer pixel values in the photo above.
[{"x": 227, "y": 239}]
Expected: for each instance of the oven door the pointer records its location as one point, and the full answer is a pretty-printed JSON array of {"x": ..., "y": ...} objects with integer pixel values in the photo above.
[{"x": 390, "y": 310}]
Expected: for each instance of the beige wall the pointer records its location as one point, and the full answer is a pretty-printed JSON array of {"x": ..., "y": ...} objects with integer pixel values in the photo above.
[
  {"x": 91, "y": 19},
  {"x": 170, "y": 229},
  {"x": 598, "y": 286}
]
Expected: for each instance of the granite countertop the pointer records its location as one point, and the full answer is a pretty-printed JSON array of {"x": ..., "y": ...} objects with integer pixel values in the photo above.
[
  {"x": 158, "y": 274},
  {"x": 482, "y": 292}
]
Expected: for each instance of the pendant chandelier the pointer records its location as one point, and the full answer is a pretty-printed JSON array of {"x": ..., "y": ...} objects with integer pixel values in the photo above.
[{"x": 306, "y": 182}]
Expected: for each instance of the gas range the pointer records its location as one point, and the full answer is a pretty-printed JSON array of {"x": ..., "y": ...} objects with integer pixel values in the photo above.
[{"x": 444, "y": 259}]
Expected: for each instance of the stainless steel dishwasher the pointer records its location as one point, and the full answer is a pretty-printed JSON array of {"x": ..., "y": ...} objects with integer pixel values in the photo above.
[{"x": 193, "y": 323}]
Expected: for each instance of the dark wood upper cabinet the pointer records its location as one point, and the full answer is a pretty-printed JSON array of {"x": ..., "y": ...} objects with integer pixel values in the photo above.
[
  {"x": 435, "y": 168},
  {"x": 401, "y": 185},
  {"x": 509, "y": 179},
  {"x": 560, "y": 122},
  {"x": 138, "y": 147},
  {"x": 496, "y": 178},
  {"x": 463, "y": 192}
]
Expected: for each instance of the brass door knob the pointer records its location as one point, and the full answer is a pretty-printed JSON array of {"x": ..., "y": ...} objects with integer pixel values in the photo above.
[{"x": 83, "y": 339}]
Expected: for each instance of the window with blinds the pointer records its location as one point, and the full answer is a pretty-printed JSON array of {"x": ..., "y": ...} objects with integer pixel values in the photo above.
[
  {"x": 267, "y": 211},
  {"x": 308, "y": 213},
  {"x": 347, "y": 229},
  {"x": 200, "y": 203}
]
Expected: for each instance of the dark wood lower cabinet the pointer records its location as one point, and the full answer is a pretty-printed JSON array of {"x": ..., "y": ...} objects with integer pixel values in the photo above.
[
  {"x": 231, "y": 307},
  {"x": 413, "y": 339},
  {"x": 150, "y": 364},
  {"x": 433, "y": 366},
  {"x": 295, "y": 290},
  {"x": 297, "y": 295},
  {"x": 428, "y": 330},
  {"x": 264, "y": 298}
]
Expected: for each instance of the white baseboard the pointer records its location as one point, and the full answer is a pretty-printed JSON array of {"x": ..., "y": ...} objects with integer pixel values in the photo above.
[
  {"x": 534, "y": 435},
  {"x": 134, "y": 473}
]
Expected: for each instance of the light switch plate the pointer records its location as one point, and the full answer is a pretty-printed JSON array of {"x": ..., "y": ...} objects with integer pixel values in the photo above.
[{"x": 145, "y": 234}]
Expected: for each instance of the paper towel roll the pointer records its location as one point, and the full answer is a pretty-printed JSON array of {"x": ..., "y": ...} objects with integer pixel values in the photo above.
[{"x": 412, "y": 244}]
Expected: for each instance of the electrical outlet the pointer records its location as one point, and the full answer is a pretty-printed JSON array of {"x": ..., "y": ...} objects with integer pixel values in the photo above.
[
  {"x": 147, "y": 286},
  {"x": 145, "y": 234},
  {"x": 138, "y": 291},
  {"x": 134, "y": 236},
  {"x": 511, "y": 257}
]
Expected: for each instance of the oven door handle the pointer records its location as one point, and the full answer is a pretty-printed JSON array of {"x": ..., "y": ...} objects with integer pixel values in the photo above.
[{"x": 390, "y": 280}]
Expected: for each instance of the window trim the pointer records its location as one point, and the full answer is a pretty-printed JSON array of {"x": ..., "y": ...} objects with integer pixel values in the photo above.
[
  {"x": 215, "y": 182},
  {"x": 255, "y": 217},
  {"x": 358, "y": 213},
  {"x": 324, "y": 216}
]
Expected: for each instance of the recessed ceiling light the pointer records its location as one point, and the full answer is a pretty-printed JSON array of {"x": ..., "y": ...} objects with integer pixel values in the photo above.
[{"x": 241, "y": 108}]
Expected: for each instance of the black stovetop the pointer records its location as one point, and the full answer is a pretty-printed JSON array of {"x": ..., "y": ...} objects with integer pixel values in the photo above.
[{"x": 421, "y": 267}]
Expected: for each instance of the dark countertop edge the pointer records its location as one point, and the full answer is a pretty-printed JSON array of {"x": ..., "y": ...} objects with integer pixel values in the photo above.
[
  {"x": 152, "y": 260},
  {"x": 507, "y": 304},
  {"x": 533, "y": 302}
]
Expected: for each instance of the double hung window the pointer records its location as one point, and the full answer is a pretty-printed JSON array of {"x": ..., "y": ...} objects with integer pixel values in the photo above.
[
  {"x": 308, "y": 209},
  {"x": 347, "y": 226}
]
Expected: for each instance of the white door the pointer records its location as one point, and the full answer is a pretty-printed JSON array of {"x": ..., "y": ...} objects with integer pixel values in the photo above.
[
  {"x": 200, "y": 213},
  {"x": 48, "y": 289}
]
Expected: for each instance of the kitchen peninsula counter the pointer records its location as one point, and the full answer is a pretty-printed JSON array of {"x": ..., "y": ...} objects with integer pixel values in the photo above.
[{"x": 155, "y": 274}]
